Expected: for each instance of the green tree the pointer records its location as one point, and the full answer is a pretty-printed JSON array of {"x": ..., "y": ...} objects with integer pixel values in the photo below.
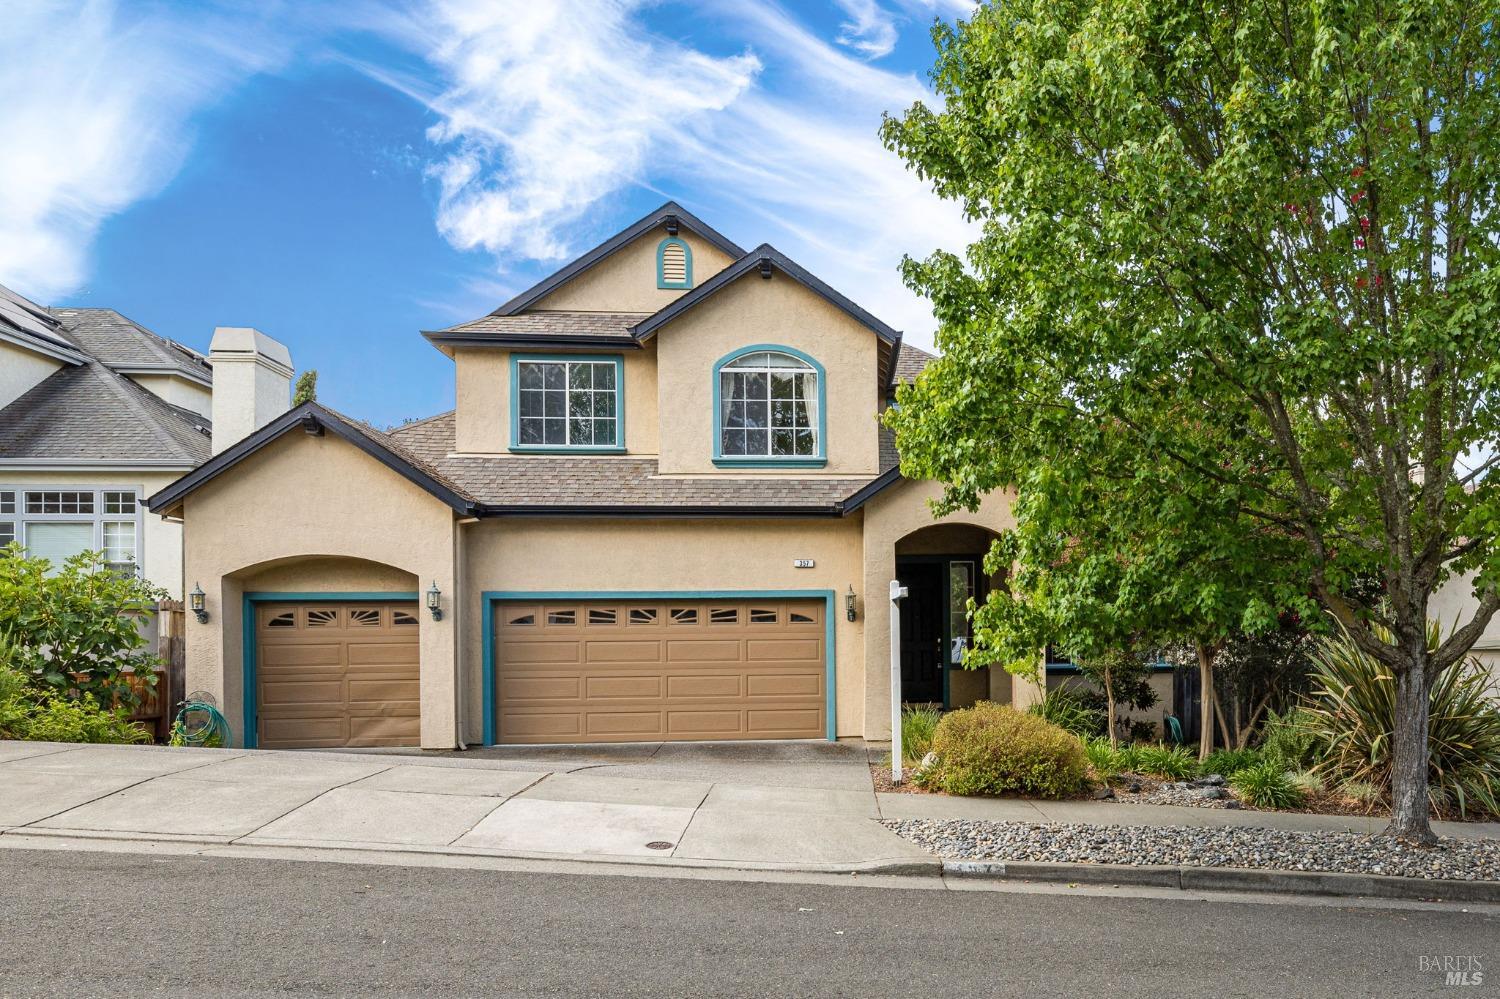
[
  {"x": 74, "y": 628},
  {"x": 1278, "y": 218},
  {"x": 307, "y": 387}
]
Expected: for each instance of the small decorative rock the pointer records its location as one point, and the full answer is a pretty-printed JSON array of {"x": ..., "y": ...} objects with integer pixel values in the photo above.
[
  {"x": 1212, "y": 780},
  {"x": 1232, "y": 846},
  {"x": 1232, "y": 803},
  {"x": 1135, "y": 787},
  {"x": 1211, "y": 793},
  {"x": 1103, "y": 794}
]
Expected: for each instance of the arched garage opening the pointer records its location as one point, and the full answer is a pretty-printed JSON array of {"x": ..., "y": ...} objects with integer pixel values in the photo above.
[{"x": 331, "y": 654}]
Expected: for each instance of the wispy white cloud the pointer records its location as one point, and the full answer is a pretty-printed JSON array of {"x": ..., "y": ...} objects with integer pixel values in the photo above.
[
  {"x": 545, "y": 115},
  {"x": 96, "y": 110},
  {"x": 549, "y": 107},
  {"x": 871, "y": 28}
]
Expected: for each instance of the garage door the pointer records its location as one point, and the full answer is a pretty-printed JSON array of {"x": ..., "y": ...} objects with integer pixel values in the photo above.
[
  {"x": 620, "y": 671},
  {"x": 331, "y": 674}
]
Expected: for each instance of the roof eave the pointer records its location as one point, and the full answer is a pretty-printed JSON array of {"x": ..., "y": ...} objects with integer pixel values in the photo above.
[
  {"x": 442, "y": 338},
  {"x": 320, "y": 418},
  {"x": 677, "y": 512},
  {"x": 871, "y": 489},
  {"x": 44, "y": 347}
]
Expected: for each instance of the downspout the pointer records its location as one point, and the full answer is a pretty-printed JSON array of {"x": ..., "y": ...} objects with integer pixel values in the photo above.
[{"x": 460, "y": 620}]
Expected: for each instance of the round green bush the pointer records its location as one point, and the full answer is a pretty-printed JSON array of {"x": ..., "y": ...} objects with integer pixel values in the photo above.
[
  {"x": 1267, "y": 785},
  {"x": 994, "y": 749}
]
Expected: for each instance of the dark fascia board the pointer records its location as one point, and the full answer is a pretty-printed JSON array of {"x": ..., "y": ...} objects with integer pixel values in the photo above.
[
  {"x": 872, "y": 489},
  {"x": 685, "y": 219},
  {"x": 443, "y": 338},
  {"x": 663, "y": 512},
  {"x": 895, "y": 360},
  {"x": 289, "y": 422},
  {"x": 765, "y": 253}
]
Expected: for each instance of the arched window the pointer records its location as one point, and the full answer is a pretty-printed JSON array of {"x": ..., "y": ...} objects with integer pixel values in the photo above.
[
  {"x": 674, "y": 264},
  {"x": 768, "y": 408}
]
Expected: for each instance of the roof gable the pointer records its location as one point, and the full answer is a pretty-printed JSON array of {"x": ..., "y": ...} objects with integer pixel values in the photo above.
[
  {"x": 763, "y": 261},
  {"x": 315, "y": 419},
  {"x": 666, "y": 216}
]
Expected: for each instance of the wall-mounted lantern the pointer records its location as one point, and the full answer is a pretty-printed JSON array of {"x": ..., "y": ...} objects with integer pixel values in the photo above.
[
  {"x": 197, "y": 600},
  {"x": 849, "y": 603},
  {"x": 435, "y": 601}
]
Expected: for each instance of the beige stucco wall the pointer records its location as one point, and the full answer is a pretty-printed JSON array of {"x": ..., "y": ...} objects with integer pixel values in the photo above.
[
  {"x": 160, "y": 541},
  {"x": 561, "y": 555},
  {"x": 1453, "y": 605},
  {"x": 901, "y": 510},
  {"x": 783, "y": 312},
  {"x": 318, "y": 497},
  {"x": 625, "y": 281},
  {"x": 178, "y": 391},
  {"x": 20, "y": 370},
  {"x": 1161, "y": 685},
  {"x": 483, "y": 393}
]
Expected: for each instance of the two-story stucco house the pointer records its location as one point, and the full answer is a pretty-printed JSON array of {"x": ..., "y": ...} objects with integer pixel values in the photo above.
[
  {"x": 662, "y": 509},
  {"x": 97, "y": 412}
]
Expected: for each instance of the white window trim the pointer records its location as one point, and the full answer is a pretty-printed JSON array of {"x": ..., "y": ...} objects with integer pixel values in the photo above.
[{"x": 97, "y": 519}]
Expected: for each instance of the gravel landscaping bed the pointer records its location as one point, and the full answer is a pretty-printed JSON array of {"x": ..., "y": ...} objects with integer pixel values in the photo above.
[{"x": 1271, "y": 849}]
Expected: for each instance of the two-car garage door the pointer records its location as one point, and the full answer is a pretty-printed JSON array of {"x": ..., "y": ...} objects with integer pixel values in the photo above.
[{"x": 624, "y": 671}]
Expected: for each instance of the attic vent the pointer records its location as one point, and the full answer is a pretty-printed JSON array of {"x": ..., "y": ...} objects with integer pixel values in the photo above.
[{"x": 674, "y": 264}]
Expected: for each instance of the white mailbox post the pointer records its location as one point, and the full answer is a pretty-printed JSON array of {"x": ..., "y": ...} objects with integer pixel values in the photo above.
[{"x": 897, "y": 593}]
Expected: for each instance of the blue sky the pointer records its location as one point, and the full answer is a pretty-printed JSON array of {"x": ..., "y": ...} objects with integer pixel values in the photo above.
[{"x": 342, "y": 176}]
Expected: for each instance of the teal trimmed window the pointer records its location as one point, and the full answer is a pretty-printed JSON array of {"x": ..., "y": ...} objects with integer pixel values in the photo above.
[
  {"x": 567, "y": 402},
  {"x": 674, "y": 264},
  {"x": 769, "y": 409}
]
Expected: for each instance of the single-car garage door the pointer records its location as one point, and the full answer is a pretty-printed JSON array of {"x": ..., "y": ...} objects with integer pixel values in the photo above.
[
  {"x": 642, "y": 671},
  {"x": 336, "y": 674}
]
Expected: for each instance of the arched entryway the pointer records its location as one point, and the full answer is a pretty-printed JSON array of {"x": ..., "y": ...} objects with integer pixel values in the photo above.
[{"x": 942, "y": 566}]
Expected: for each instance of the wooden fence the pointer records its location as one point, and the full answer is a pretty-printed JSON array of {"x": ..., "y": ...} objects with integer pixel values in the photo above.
[{"x": 158, "y": 702}]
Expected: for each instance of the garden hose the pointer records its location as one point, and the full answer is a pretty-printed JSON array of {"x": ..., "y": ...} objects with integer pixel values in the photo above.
[
  {"x": 199, "y": 723},
  {"x": 1176, "y": 728}
]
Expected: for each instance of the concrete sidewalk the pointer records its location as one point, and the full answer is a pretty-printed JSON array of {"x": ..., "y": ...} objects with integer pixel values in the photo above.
[
  {"x": 788, "y": 806},
  {"x": 579, "y": 804}
]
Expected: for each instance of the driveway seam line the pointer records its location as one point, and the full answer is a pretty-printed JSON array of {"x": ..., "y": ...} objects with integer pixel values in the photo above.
[
  {"x": 309, "y": 801},
  {"x": 498, "y": 805},
  {"x": 101, "y": 797}
]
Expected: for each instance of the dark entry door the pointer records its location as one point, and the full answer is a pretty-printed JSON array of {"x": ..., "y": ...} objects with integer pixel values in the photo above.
[{"x": 922, "y": 632}]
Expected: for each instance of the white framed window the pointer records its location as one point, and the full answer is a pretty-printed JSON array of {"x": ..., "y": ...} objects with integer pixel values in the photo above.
[
  {"x": 566, "y": 403},
  {"x": 57, "y": 523},
  {"x": 769, "y": 407}
]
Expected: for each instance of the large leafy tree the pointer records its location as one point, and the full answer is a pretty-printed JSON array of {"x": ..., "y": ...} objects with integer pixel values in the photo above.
[{"x": 1279, "y": 218}]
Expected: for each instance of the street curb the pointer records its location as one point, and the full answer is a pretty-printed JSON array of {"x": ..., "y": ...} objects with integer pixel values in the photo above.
[{"x": 1238, "y": 879}]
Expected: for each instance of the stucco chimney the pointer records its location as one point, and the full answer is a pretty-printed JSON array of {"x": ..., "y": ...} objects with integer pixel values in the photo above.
[{"x": 252, "y": 382}]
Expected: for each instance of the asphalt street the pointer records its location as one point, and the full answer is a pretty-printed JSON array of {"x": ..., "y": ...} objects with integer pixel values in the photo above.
[{"x": 109, "y": 924}]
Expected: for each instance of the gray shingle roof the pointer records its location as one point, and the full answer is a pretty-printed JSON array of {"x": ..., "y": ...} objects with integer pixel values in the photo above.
[
  {"x": 560, "y": 324},
  {"x": 123, "y": 343},
  {"x": 911, "y": 362},
  {"x": 90, "y": 413},
  {"x": 604, "y": 481}
]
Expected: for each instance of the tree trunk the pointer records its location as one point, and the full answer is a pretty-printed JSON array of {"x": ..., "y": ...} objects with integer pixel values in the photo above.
[
  {"x": 1222, "y": 716},
  {"x": 1206, "y": 655},
  {"x": 1409, "y": 758},
  {"x": 1109, "y": 706}
]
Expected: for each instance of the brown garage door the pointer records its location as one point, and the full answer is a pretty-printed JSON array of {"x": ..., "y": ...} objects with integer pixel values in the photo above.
[
  {"x": 333, "y": 674},
  {"x": 632, "y": 671}
]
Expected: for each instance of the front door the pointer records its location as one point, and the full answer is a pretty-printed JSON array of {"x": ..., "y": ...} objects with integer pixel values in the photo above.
[{"x": 922, "y": 631}]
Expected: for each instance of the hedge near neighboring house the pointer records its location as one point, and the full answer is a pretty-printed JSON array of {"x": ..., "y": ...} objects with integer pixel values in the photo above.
[{"x": 69, "y": 636}]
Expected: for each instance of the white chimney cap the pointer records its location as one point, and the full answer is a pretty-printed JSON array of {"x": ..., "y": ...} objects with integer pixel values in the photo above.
[{"x": 248, "y": 342}]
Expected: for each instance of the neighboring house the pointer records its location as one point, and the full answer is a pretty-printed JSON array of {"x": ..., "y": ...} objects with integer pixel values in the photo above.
[
  {"x": 662, "y": 509},
  {"x": 96, "y": 413},
  {"x": 1452, "y": 605}
]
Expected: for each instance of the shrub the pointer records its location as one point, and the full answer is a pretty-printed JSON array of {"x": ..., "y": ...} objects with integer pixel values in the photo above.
[
  {"x": 1307, "y": 782},
  {"x": 75, "y": 627},
  {"x": 1067, "y": 710},
  {"x": 1267, "y": 785},
  {"x": 1128, "y": 758},
  {"x": 28, "y": 712},
  {"x": 1228, "y": 762},
  {"x": 1351, "y": 714},
  {"x": 1290, "y": 737},
  {"x": 917, "y": 726},
  {"x": 1174, "y": 763},
  {"x": 994, "y": 749},
  {"x": 1361, "y": 791}
]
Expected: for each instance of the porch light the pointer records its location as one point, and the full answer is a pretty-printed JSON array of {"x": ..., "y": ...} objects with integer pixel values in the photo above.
[
  {"x": 849, "y": 603},
  {"x": 196, "y": 600},
  {"x": 435, "y": 601}
]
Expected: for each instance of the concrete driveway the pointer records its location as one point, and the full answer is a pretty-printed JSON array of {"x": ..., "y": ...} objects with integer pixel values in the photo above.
[{"x": 802, "y": 806}]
